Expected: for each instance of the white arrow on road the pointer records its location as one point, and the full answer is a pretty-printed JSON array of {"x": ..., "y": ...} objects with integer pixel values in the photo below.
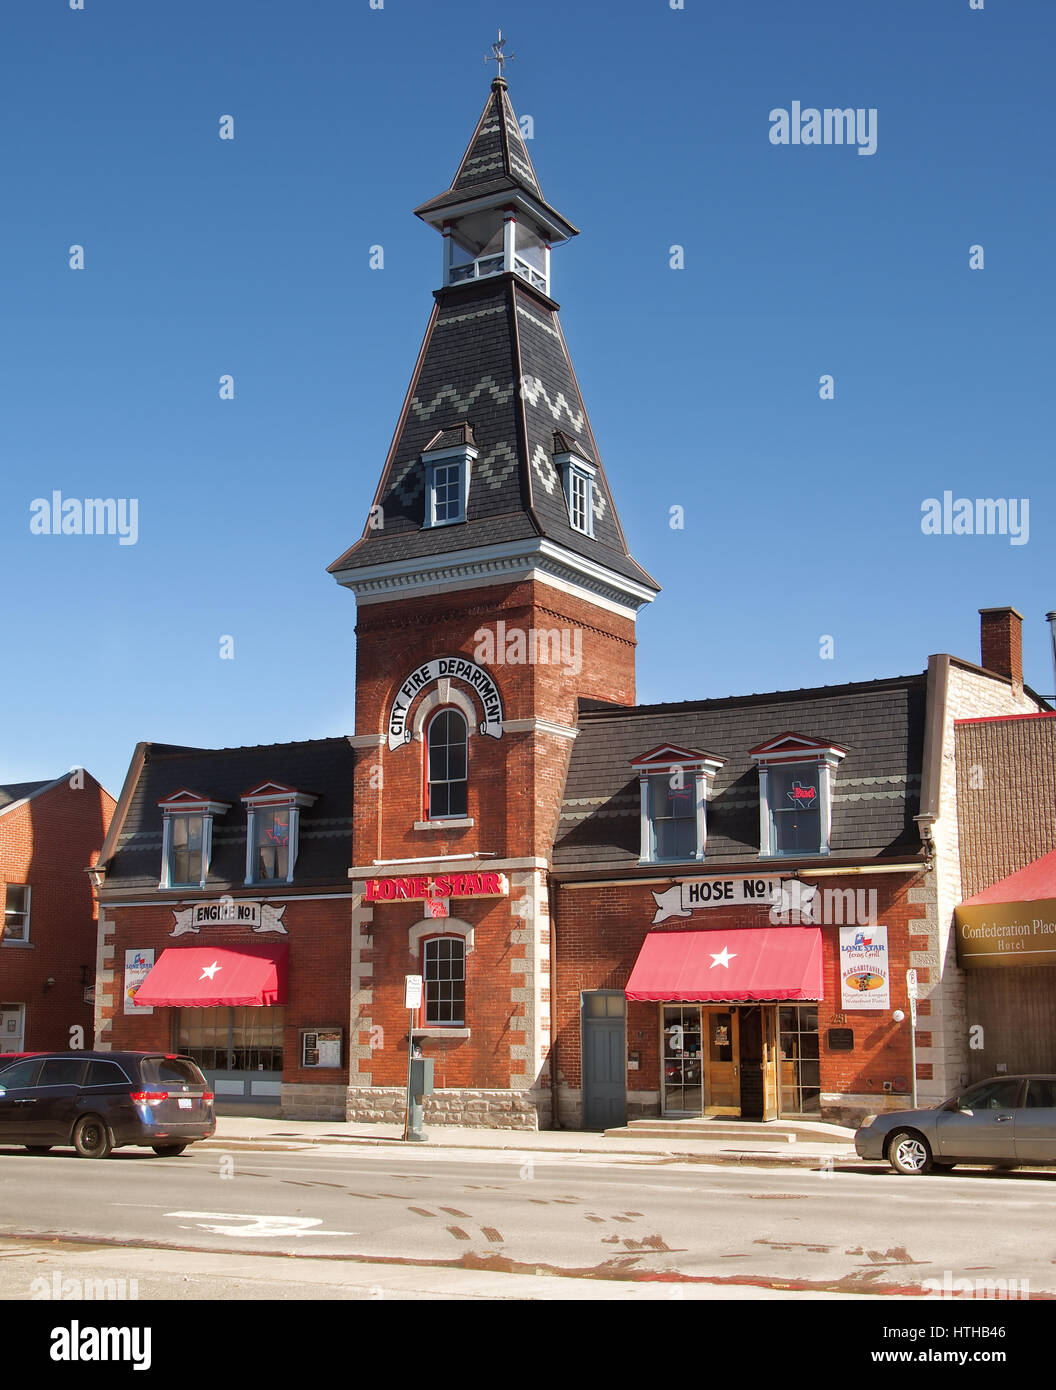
[{"x": 260, "y": 1226}]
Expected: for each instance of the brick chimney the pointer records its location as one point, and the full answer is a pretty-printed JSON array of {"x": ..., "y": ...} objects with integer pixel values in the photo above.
[{"x": 1001, "y": 638}]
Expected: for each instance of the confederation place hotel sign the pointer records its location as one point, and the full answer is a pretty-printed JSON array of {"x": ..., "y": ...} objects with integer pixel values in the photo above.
[
  {"x": 445, "y": 668},
  {"x": 1005, "y": 934}
]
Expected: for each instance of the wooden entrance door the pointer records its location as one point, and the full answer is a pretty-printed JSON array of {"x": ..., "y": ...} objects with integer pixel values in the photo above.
[
  {"x": 722, "y": 1062},
  {"x": 771, "y": 1084}
]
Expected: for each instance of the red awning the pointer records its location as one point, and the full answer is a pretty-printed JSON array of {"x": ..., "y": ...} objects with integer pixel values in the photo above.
[
  {"x": 1033, "y": 883},
  {"x": 198, "y": 977},
  {"x": 753, "y": 963}
]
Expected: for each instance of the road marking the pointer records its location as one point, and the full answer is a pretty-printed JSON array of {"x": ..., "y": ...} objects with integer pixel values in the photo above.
[{"x": 259, "y": 1227}]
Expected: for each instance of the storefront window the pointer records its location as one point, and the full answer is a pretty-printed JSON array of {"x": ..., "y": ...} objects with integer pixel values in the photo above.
[
  {"x": 233, "y": 1039},
  {"x": 800, "y": 1069},
  {"x": 682, "y": 1059}
]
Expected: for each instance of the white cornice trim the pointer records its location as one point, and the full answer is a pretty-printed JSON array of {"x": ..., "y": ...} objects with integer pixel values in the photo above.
[
  {"x": 537, "y": 558},
  {"x": 365, "y": 740},
  {"x": 472, "y": 863},
  {"x": 541, "y": 726}
]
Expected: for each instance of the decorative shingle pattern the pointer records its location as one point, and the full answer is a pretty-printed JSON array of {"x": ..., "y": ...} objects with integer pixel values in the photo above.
[
  {"x": 321, "y": 767},
  {"x": 876, "y": 788}
]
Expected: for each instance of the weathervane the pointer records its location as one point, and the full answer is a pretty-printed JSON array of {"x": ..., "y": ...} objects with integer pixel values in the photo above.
[{"x": 495, "y": 56}]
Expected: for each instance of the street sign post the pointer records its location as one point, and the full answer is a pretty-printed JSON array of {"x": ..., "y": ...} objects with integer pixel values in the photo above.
[{"x": 412, "y": 1001}]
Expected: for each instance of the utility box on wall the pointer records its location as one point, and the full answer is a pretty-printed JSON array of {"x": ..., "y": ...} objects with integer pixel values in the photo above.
[{"x": 421, "y": 1076}]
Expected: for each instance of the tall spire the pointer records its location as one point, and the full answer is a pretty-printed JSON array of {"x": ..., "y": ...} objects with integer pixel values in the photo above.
[{"x": 494, "y": 407}]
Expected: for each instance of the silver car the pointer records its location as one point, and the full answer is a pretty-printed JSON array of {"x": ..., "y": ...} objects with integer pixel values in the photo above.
[{"x": 1003, "y": 1122}]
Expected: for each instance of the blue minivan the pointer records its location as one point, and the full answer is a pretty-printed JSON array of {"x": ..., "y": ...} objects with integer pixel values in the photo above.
[{"x": 95, "y": 1102}]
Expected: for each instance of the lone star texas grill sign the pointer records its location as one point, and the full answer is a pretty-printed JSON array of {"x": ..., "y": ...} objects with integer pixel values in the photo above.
[{"x": 445, "y": 668}]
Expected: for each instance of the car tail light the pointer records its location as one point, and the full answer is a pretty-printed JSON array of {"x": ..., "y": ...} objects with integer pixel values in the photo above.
[
  {"x": 208, "y": 1095},
  {"x": 150, "y": 1097}
]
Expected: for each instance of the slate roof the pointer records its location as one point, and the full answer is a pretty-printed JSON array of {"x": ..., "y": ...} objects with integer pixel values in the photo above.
[
  {"x": 321, "y": 767},
  {"x": 496, "y": 160},
  {"x": 494, "y": 357},
  {"x": 16, "y": 791},
  {"x": 876, "y": 786}
]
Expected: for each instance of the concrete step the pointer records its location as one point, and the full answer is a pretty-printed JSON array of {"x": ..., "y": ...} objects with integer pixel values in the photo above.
[{"x": 720, "y": 1129}]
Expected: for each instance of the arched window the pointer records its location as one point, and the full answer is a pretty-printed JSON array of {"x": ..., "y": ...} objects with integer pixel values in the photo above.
[
  {"x": 446, "y": 745},
  {"x": 444, "y": 973}
]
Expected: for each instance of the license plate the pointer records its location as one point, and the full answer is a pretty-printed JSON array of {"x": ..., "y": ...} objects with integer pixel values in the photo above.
[{"x": 186, "y": 1104}]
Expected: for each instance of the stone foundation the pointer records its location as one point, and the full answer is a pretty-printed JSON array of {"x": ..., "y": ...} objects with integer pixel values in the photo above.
[
  {"x": 310, "y": 1102},
  {"x": 851, "y": 1110},
  {"x": 454, "y": 1106}
]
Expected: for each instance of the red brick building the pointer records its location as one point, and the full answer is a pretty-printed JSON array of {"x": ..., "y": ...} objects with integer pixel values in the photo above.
[
  {"x": 615, "y": 909},
  {"x": 50, "y": 832},
  {"x": 224, "y": 915},
  {"x": 1006, "y": 937}
]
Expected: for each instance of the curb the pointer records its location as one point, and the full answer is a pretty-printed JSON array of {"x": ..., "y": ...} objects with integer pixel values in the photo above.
[{"x": 754, "y": 1160}]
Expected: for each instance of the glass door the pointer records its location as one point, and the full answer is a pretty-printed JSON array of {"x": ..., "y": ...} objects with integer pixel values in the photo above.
[{"x": 681, "y": 1059}]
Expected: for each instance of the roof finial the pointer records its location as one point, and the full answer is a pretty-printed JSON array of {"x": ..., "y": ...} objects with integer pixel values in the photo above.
[{"x": 495, "y": 56}]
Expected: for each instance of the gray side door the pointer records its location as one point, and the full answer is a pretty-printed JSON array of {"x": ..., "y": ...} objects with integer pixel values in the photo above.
[
  {"x": 604, "y": 1059},
  {"x": 983, "y": 1125}
]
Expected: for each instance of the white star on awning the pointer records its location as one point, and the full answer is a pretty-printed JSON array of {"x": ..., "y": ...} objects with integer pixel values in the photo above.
[
  {"x": 722, "y": 958},
  {"x": 210, "y": 970}
]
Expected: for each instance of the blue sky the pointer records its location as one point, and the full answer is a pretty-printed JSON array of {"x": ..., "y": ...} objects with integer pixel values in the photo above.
[{"x": 651, "y": 129}]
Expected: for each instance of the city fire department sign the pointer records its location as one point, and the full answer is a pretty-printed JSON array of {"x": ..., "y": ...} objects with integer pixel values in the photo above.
[{"x": 449, "y": 668}]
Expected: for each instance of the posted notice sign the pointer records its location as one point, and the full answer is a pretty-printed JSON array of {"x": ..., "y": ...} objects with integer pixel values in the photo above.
[
  {"x": 865, "y": 970},
  {"x": 412, "y": 998}
]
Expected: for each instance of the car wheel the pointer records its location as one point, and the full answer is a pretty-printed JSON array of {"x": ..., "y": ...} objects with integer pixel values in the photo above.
[
  {"x": 38, "y": 1148},
  {"x": 91, "y": 1138},
  {"x": 909, "y": 1153},
  {"x": 168, "y": 1150}
]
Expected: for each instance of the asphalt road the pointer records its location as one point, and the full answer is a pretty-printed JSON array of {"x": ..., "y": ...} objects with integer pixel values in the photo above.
[{"x": 713, "y": 1230}]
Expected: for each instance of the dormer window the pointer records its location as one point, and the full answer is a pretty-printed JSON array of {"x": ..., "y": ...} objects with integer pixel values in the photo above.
[
  {"x": 187, "y": 838},
  {"x": 272, "y": 831},
  {"x": 577, "y": 479},
  {"x": 673, "y": 785},
  {"x": 447, "y": 460},
  {"x": 795, "y": 794}
]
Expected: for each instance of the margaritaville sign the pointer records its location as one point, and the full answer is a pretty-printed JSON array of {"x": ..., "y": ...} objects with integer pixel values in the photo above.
[
  {"x": 1003, "y": 934},
  {"x": 428, "y": 887}
]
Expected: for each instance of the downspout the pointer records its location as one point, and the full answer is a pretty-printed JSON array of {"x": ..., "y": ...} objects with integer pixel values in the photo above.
[
  {"x": 935, "y": 702},
  {"x": 552, "y": 900}
]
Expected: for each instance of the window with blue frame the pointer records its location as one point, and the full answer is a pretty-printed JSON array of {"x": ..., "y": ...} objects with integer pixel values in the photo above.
[
  {"x": 672, "y": 812},
  {"x": 795, "y": 808}
]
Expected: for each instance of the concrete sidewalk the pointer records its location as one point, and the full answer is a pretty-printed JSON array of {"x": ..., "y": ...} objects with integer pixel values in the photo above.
[{"x": 801, "y": 1146}]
